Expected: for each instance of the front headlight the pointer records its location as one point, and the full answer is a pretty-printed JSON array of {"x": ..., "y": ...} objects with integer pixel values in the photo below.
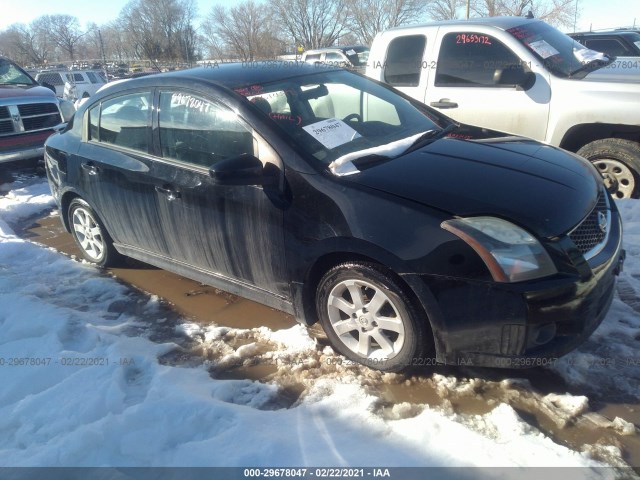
[
  {"x": 510, "y": 253},
  {"x": 67, "y": 110}
]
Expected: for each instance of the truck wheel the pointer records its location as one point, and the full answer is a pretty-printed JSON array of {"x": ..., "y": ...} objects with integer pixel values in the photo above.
[
  {"x": 369, "y": 319},
  {"x": 618, "y": 161}
]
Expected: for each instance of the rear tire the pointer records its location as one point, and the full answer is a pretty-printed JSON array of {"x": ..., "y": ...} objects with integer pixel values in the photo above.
[
  {"x": 369, "y": 318},
  {"x": 618, "y": 161},
  {"x": 89, "y": 233}
]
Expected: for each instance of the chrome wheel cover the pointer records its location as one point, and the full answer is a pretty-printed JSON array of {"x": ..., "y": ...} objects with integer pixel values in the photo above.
[
  {"x": 365, "y": 319},
  {"x": 88, "y": 233}
]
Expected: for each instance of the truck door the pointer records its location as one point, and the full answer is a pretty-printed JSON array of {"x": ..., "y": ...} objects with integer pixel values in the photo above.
[{"x": 474, "y": 83}]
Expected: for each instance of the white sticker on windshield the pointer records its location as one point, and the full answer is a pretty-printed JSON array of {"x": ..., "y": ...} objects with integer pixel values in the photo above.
[
  {"x": 586, "y": 55},
  {"x": 350, "y": 52},
  {"x": 331, "y": 133},
  {"x": 543, "y": 49}
]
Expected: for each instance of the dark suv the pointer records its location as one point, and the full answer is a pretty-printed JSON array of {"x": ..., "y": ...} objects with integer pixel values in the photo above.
[
  {"x": 28, "y": 113},
  {"x": 617, "y": 43}
]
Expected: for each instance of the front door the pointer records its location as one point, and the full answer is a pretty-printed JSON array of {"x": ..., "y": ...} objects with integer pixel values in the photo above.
[
  {"x": 232, "y": 232},
  {"x": 466, "y": 85}
]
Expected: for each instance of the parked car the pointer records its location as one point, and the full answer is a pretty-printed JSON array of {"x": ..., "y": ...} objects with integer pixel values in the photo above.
[
  {"x": 84, "y": 83},
  {"x": 28, "y": 114},
  {"x": 617, "y": 43},
  {"x": 412, "y": 238},
  {"x": 524, "y": 77},
  {"x": 353, "y": 57}
]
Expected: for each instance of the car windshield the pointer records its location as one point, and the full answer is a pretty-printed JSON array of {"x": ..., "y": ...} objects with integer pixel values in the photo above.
[
  {"x": 562, "y": 55},
  {"x": 338, "y": 116},
  {"x": 11, "y": 74}
]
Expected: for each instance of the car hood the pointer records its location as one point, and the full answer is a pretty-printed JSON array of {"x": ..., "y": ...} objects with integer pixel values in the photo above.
[
  {"x": 474, "y": 171},
  {"x": 622, "y": 70},
  {"x": 13, "y": 91}
]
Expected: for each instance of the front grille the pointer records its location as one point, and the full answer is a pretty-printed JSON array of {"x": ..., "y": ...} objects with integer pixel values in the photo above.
[
  {"x": 589, "y": 234},
  {"x": 28, "y": 117},
  {"x": 38, "y": 116},
  {"x": 30, "y": 109},
  {"x": 6, "y": 127}
]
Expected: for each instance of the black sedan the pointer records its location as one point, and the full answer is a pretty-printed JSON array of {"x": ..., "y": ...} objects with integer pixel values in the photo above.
[{"x": 412, "y": 239}]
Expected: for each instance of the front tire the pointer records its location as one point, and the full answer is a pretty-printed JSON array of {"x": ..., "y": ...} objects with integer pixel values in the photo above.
[
  {"x": 90, "y": 235},
  {"x": 369, "y": 318},
  {"x": 618, "y": 161}
]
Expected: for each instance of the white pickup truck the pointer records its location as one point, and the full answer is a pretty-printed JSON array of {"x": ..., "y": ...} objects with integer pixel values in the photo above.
[{"x": 524, "y": 77}]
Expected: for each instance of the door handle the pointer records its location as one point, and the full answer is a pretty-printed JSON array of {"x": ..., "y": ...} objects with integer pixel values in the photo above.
[
  {"x": 90, "y": 168},
  {"x": 444, "y": 103},
  {"x": 168, "y": 192}
]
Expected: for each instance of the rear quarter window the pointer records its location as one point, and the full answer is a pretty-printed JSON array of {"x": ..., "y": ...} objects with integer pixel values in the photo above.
[{"x": 404, "y": 60}]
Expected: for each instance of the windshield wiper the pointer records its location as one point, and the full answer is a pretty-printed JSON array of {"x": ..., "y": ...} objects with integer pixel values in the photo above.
[
  {"x": 370, "y": 160},
  {"x": 430, "y": 136}
]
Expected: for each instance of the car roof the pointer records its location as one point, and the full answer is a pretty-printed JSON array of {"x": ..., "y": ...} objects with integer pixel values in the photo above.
[
  {"x": 499, "y": 22},
  {"x": 341, "y": 48},
  {"x": 230, "y": 75},
  {"x": 624, "y": 33}
]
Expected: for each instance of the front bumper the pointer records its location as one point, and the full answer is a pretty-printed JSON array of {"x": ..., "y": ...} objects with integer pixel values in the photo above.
[
  {"x": 526, "y": 324},
  {"x": 23, "y": 147}
]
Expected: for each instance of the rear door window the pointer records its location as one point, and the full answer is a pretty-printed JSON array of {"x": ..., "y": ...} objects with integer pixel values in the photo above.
[
  {"x": 123, "y": 121},
  {"x": 404, "y": 60}
]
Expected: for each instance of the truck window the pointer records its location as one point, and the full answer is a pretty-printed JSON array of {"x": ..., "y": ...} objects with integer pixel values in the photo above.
[
  {"x": 404, "y": 60},
  {"x": 470, "y": 59},
  {"x": 609, "y": 46}
]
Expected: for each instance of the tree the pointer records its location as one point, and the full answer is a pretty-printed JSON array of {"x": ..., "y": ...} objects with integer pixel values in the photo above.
[
  {"x": 243, "y": 31},
  {"x": 560, "y": 13},
  {"x": 28, "y": 44},
  {"x": 160, "y": 29},
  {"x": 64, "y": 32},
  {"x": 368, "y": 17},
  {"x": 445, "y": 9},
  {"x": 311, "y": 23}
]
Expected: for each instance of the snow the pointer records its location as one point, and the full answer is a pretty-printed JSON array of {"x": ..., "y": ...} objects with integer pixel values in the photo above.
[{"x": 83, "y": 384}]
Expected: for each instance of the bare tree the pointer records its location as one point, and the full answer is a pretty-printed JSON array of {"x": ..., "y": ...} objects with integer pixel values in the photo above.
[
  {"x": 160, "y": 29},
  {"x": 368, "y": 17},
  {"x": 559, "y": 13},
  {"x": 445, "y": 9},
  {"x": 64, "y": 31},
  {"x": 311, "y": 23},
  {"x": 28, "y": 44},
  {"x": 244, "y": 31}
]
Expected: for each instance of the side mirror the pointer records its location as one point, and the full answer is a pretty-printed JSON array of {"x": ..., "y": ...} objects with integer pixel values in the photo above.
[
  {"x": 514, "y": 75},
  {"x": 244, "y": 169},
  {"x": 49, "y": 86}
]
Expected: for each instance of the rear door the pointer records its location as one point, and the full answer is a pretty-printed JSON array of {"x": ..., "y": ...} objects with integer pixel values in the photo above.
[
  {"x": 407, "y": 66},
  {"x": 114, "y": 168}
]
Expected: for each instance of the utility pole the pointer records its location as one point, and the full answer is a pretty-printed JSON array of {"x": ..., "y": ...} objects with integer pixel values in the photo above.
[
  {"x": 468, "y": 7},
  {"x": 104, "y": 60}
]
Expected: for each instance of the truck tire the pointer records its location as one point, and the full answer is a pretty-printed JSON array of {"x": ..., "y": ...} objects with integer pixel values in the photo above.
[{"x": 618, "y": 161}]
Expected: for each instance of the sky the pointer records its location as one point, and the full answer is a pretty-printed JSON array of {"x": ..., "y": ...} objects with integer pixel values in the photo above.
[{"x": 594, "y": 14}]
